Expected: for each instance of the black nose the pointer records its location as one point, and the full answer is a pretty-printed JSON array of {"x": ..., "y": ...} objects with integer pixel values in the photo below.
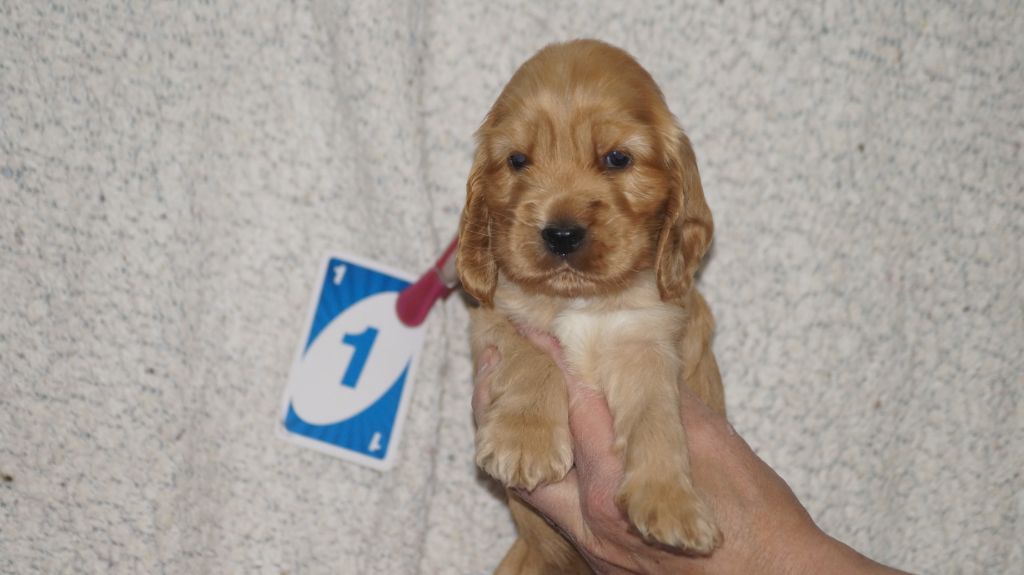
[{"x": 563, "y": 240}]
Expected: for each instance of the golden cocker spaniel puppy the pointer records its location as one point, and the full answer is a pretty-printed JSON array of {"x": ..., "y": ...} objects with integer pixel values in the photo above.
[{"x": 585, "y": 218}]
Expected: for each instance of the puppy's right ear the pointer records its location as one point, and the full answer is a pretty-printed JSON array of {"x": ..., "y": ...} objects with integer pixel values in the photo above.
[{"x": 475, "y": 262}]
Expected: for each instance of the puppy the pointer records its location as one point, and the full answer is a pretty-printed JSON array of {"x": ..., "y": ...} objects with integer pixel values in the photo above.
[{"x": 585, "y": 218}]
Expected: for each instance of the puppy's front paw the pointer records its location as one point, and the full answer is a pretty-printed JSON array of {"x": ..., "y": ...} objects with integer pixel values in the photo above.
[
  {"x": 524, "y": 451},
  {"x": 670, "y": 513}
]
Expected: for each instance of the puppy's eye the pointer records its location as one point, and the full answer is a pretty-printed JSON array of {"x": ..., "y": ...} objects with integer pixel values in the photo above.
[
  {"x": 518, "y": 161},
  {"x": 616, "y": 160}
]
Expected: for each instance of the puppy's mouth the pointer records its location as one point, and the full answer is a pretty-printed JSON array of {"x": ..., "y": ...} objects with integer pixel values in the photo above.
[
  {"x": 562, "y": 280},
  {"x": 567, "y": 271},
  {"x": 565, "y": 277}
]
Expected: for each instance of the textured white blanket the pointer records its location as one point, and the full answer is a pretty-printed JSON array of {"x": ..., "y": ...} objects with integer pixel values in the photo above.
[{"x": 171, "y": 173}]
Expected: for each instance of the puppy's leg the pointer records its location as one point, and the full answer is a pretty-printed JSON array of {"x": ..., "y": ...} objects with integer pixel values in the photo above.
[
  {"x": 699, "y": 365},
  {"x": 657, "y": 494},
  {"x": 539, "y": 550},
  {"x": 523, "y": 435}
]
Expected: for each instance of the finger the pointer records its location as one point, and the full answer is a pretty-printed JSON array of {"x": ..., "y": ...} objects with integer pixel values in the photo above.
[
  {"x": 488, "y": 361},
  {"x": 592, "y": 428},
  {"x": 707, "y": 432},
  {"x": 692, "y": 406},
  {"x": 546, "y": 342},
  {"x": 560, "y": 503}
]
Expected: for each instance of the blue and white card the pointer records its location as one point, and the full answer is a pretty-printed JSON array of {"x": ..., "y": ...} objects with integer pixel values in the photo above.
[{"x": 351, "y": 381}]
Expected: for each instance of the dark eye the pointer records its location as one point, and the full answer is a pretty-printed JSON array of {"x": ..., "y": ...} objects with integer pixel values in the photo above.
[
  {"x": 616, "y": 160},
  {"x": 518, "y": 161}
]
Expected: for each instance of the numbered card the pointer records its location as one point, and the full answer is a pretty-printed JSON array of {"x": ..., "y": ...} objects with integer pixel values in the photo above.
[{"x": 350, "y": 384}]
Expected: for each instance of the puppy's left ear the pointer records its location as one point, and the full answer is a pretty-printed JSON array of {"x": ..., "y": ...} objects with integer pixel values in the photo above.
[
  {"x": 475, "y": 263},
  {"x": 687, "y": 228}
]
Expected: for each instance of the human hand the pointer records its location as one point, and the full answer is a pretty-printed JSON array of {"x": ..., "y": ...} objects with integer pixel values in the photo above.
[{"x": 766, "y": 529}]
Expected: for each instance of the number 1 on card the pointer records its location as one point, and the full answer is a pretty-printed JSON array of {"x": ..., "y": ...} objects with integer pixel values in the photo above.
[{"x": 361, "y": 344}]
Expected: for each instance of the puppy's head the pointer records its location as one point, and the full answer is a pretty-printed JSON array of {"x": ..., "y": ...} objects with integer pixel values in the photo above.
[{"x": 581, "y": 179}]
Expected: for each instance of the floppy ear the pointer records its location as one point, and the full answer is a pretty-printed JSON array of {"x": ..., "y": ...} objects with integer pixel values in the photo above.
[
  {"x": 475, "y": 263},
  {"x": 687, "y": 229}
]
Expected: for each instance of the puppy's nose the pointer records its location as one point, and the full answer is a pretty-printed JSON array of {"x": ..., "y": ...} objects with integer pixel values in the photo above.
[{"x": 563, "y": 240}]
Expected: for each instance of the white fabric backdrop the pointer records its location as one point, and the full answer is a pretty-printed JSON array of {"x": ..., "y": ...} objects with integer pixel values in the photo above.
[{"x": 171, "y": 173}]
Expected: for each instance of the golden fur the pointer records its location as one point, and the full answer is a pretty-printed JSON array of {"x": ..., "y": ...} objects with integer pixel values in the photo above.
[{"x": 622, "y": 305}]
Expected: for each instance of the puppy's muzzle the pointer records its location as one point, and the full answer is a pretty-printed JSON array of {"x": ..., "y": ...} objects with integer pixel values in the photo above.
[{"x": 563, "y": 239}]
